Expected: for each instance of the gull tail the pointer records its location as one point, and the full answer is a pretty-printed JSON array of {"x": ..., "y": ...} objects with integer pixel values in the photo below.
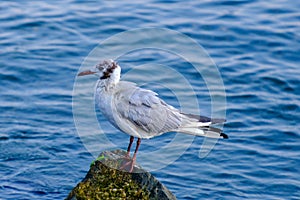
[
  {"x": 204, "y": 131},
  {"x": 202, "y": 127}
]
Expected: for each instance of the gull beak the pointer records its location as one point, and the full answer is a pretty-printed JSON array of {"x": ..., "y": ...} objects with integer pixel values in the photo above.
[{"x": 87, "y": 72}]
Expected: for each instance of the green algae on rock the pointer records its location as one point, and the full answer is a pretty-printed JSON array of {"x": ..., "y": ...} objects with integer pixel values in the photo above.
[{"x": 105, "y": 181}]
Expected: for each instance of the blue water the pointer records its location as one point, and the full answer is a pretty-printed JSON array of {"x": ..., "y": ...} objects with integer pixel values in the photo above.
[{"x": 255, "y": 44}]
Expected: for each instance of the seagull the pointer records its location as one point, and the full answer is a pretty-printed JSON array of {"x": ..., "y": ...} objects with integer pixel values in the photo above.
[{"x": 140, "y": 112}]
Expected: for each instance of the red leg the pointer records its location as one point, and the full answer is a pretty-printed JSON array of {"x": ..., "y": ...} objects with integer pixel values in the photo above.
[
  {"x": 127, "y": 157},
  {"x": 135, "y": 152},
  {"x": 136, "y": 148},
  {"x": 131, "y": 162},
  {"x": 129, "y": 146}
]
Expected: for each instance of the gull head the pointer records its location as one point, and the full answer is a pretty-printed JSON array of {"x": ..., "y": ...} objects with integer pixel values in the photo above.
[{"x": 105, "y": 70}]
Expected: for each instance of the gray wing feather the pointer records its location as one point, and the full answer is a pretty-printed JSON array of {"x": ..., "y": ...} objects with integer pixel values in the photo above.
[{"x": 145, "y": 110}]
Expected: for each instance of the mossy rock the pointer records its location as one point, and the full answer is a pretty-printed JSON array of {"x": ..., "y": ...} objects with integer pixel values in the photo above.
[{"x": 105, "y": 181}]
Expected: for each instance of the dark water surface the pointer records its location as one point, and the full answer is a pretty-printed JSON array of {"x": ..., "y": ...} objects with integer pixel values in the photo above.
[{"x": 255, "y": 44}]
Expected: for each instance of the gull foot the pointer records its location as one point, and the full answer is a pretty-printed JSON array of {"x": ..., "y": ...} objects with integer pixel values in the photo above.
[{"x": 127, "y": 164}]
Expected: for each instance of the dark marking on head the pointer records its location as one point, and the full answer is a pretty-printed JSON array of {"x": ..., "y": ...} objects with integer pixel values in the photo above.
[{"x": 109, "y": 71}]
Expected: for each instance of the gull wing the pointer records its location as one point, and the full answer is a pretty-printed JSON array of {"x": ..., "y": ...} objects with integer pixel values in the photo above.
[{"x": 145, "y": 110}]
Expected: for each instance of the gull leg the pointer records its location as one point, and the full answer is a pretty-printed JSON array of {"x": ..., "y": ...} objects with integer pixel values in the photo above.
[
  {"x": 134, "y": 155},
  {"x": 131, "y": 162},
  {"x": 129, "y": 146},
  {"x": 127, "y": 159}
]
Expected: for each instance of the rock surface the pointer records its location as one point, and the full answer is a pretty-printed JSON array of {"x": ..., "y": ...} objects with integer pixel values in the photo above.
[{"x": 105, "y": 181}]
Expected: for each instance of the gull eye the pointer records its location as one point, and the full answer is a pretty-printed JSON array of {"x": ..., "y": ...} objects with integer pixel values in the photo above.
[{"x": 99, "y": 67}]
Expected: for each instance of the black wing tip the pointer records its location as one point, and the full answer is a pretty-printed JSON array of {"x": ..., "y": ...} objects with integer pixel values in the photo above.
[
  {"x": 225, "y": 136},
  {"x": 206, "y": 119}
]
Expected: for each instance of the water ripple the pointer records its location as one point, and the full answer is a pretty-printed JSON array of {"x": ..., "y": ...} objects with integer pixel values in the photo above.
[{"x": 254, "y": 43}]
